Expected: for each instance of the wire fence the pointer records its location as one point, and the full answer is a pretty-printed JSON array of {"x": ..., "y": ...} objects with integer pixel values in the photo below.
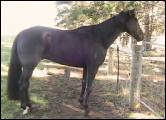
[
  {"x": 152, "y": 90},
  {"x": 153, "y": 82}
]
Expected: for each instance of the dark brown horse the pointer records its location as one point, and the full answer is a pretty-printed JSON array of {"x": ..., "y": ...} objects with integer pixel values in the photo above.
[{"x": 83, "y": 47}]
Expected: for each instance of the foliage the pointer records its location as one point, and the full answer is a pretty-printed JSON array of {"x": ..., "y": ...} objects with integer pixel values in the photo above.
[{"x": 86, "y": 13}]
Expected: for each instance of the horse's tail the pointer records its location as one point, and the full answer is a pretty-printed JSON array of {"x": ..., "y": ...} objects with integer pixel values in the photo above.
[{"x": 14, "y": 73}]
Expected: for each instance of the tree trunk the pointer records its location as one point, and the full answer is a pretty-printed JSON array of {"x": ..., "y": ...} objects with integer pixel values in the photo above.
[{"x": 148, "y": 27}]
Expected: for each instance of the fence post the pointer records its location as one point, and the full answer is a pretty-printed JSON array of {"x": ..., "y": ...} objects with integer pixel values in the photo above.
[
  {"x": 135, "y": 78},
  {"x": 110, "y": 61}
]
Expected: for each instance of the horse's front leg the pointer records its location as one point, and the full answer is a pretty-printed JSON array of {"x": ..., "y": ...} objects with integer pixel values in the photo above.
[
  {"x": 24, "y": 85},
  {"x": 91, "y": 72},
  {"x": 83, "y": 86}
]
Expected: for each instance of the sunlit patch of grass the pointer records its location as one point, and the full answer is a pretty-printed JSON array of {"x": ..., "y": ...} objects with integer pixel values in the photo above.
[
  {"x": 136, "y": 115},
  {"x": 39, "y": 100},
  {"x": 3, "y": 73},
  {"x": 4, "y": 67},
  {"x": 40, "y": 66},
  {"x": 4, "y": 70}
]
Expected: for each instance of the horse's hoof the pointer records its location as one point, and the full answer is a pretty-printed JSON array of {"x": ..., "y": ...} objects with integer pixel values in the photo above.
[{"x": 27, "y": 109}]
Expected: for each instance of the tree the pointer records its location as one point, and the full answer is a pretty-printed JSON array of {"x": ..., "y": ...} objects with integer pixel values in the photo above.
[{"x": 153, "y": 11}]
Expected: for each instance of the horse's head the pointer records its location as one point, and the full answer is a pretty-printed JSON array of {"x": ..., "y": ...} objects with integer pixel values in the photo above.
[{"x": 129, "y": 24}]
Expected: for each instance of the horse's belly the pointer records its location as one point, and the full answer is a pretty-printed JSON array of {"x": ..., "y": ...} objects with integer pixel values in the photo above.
[{"x": 74, "y": 60}]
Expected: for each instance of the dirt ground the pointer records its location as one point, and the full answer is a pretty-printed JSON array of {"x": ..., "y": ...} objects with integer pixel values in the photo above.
[{"x": 59, "y": 98}]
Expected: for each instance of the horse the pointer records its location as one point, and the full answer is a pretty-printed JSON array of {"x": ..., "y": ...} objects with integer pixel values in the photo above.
[{"x": 84, "y": 47}]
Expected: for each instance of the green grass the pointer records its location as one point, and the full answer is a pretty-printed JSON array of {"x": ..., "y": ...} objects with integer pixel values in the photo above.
[{"x": 8, "y": 108}]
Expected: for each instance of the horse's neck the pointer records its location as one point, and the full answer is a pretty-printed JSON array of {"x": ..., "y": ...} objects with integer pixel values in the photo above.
[{"x": 108, "y": 31}]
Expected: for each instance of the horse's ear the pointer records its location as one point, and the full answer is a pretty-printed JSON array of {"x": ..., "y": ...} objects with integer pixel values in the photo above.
[{"x": 131, "y": 12}]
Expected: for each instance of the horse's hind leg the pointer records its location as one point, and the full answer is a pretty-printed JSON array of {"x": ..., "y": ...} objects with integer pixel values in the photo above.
[
  {"x": 24, "y": 85},
  {"x": 91, "y": 72}
]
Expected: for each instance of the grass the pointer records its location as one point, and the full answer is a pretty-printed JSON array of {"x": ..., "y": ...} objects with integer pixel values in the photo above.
[{"x": 8, "y": 108}]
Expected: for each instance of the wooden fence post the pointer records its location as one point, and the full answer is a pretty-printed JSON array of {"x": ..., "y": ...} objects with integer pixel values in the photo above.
[{"x": 135, "y": 78}]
